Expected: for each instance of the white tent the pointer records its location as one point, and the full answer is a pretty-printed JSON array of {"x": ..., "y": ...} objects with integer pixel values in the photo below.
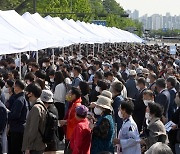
[
  {"x": 33, "y": 32},
  {"x": 12, "y": 20}
]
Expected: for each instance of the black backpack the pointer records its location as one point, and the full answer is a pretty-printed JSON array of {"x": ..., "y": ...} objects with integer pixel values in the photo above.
[{"x": 51, "y": 126}]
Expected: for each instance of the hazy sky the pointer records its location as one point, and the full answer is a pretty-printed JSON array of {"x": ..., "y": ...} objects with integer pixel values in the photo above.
[{"x": 152, "y": 6}]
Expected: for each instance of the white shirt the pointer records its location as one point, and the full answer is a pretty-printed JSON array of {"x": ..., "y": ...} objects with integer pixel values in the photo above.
[
  {"x": 60, "y": 93},
  {"x": 129, "y": 138}
]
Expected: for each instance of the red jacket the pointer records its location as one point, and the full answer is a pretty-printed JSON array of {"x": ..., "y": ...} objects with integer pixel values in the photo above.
[
  {"x": 80, "y": 142},
  {"x": 71, "y": 119}
]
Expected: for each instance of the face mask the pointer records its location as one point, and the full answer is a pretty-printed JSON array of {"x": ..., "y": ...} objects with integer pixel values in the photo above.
[
  {"x": 97, "y": 111},
  {"x": 28, "y": 82},
  {"x": 147, "y": 80},
  {"x": 146, "y": 102},
  {"x": 147, "y": 116},
  {"x": 90, "y": 72},
  {"x": 52, "y": 80},
  {"x": 57, "y": 63},
  {"x": 30, "y": 69},
  {"x": 44, "y": 64},
  {"x": 120, "y": 115},
  {"x": 72, "y": 74},
  {"x": 97, "y": 89},
  {"x": 138, "y": 88}
]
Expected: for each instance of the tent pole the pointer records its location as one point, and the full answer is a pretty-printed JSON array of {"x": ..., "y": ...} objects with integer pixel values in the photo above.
[
  {"x": 53, "y": 56},
  {"x": 98, "y": 47},
  {"x": 37, "y": 57},
  {"x": 80, "y": 48},
  {"x": 93, "y": 50},
  {"x": 63, "y": 51},
  {"x": 87, "y": 48},
  {"x": 20, "y": 69}
]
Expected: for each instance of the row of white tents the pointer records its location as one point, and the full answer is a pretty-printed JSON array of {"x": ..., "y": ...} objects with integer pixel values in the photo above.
[{"x": 31, "y": 32}]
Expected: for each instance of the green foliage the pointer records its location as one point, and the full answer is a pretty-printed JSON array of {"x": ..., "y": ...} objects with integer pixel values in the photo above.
[
  {"x": 89, "y": 10},
  {"x": 168, "y": 33}
]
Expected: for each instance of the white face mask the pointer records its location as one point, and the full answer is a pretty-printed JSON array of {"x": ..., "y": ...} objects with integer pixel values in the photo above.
[
  {"x": 97, "y": 111},
  {"x": 72, "y": 74},
  {"x": 30, "y": 69},
  {"x": 148, "y": 80},
  {"x": 44, "y": 64},
  {"x": 57, "y": 63},
  {"x": 52, "y": 80},
  {"x": 120, "y": 115},
  {"x": 146, "y": 102},
  {"x": 90, "y": 72},
  {"x": 97, "y": 88},
  {"x": 138, "y": 88},
  {"x": 147, "y": 116}
]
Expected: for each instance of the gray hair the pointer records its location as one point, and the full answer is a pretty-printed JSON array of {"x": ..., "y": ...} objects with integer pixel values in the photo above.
[{"x": 159, "y": 148}]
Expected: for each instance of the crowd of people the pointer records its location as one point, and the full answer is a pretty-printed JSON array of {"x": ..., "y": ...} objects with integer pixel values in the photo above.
[{"x": 119, "y": 98}]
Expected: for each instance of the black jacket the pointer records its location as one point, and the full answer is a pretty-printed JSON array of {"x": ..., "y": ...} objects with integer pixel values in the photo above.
[
  {"x": 55, "y": 144},
  {"x": 17, "y": 116},
  {"x": 163, "y": 99},
  {"x": 3, "y": 117}
]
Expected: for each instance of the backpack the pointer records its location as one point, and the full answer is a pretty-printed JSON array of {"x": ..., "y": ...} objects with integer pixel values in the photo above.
[{"x": 51, "y": 126}]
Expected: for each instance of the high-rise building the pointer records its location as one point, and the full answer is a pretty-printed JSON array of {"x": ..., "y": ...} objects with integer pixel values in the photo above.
[{"x": 156, "y": 21}]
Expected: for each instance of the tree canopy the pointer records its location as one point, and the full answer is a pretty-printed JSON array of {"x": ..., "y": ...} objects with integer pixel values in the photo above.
[{"x": 84, "y": 10}]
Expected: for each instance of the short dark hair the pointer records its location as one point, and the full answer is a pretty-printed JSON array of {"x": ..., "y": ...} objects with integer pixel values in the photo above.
[
  {"x": 98, "y": 63},
  {"x": 34, "y": 64},
  {"x": 10, "y": 83},
  {"x": 170, "y": 63},
  {"x": 20, "y": 84},
  {"x": 76, "y": 92},
  {"x": 117, "y": 86},
  {"x": 84, "y": 87},
  {"x": 29, "y": 76},
  {"x": 2, "y": 83},
  {"x": 78, "y": 69},
  {"x": 35, "y": 89},
  {"x": 103, "y": 85},
  {"x": 172, "y": 80},
  {"x": 161, "y": 83},
  {"x": 41, "y": 74},
  {"x": 141, "y": 80},
  {"x": 148, "y": 92},
  {"x": 116, "y": 66},
  {"x": 99, "y": 75},
  {"x": 128, "y": 106},
  {"x": 155, "y": 109},
  {"x": 153, "y": 75},
  {"x": 109, "y": 73},
  {"x": 59, "y": 77}
]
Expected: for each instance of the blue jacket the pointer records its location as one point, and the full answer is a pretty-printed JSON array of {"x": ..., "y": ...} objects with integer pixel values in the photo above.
[
  {"x": 17, "y": 116},
  {"x": 132, "y": 91},
  {"x": 116, "y": 104},
  {"x": 3, "y": 117}
]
